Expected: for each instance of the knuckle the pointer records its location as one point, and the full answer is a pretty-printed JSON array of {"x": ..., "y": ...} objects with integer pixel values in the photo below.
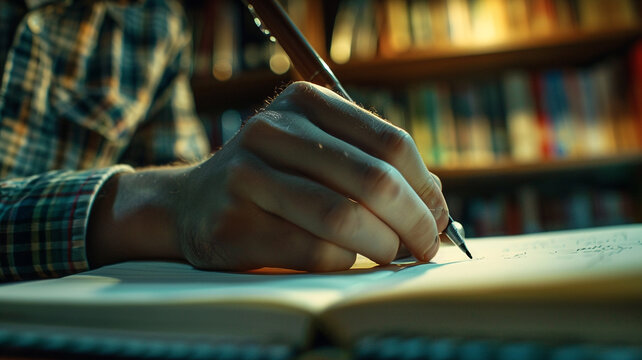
[
  {"x": 266, "y": 127},
  {"x": 340, "y": 219},
  {"x": 301, "y": 87},
  {"x": 295, "y": 92},
  {"x": 397, "y": 143},
  {"x": 382, "y": 181},
  {"x": 253, "y": 129}
]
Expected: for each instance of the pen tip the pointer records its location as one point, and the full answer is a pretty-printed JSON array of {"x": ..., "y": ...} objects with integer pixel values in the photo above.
[{"x": 468, "y": 253}]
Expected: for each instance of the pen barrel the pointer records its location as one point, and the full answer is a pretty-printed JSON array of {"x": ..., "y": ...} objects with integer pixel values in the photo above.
[
  {"x": 453, "y": 235},
  {"x": 305, "y": 59}
]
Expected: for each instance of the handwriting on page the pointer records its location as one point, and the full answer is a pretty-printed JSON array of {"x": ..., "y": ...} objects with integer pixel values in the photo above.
[{"x": 587, "y": 247}]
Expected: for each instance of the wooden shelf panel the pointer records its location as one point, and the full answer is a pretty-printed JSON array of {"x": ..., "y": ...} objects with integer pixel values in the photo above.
[
  {"x": 544, "y": 168},
  {"x": 570, "y": 48}
]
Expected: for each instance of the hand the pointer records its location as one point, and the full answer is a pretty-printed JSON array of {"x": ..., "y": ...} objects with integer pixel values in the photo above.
[{"x": 306, "y": 184}]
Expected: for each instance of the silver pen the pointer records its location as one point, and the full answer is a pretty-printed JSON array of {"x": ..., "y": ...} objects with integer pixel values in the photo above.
[{"x": 454, "y": 236}]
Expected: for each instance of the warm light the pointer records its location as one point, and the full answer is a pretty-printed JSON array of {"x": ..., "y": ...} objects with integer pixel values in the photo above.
[
  {"x": 279, "y": 63},
  {"x": 222, "y": 70},
  {"x": 340, "y": 52}
]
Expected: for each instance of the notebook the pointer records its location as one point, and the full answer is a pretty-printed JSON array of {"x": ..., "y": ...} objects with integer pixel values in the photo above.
[{"x": 581, "y": 285}]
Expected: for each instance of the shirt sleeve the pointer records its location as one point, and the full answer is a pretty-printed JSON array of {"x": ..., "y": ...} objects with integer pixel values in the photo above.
[{"x": 43, "y": 222}]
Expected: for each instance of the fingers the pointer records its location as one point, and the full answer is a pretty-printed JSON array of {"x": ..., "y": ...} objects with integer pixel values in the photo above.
[
  {"x": 274, "y": 242},
  {"x": 288, "y": 141},
  {"x": 371, "y": 134},
  {"x": 317, "y": 209}
]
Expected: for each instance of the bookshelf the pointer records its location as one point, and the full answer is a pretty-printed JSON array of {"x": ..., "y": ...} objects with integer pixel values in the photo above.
[
  {"x": 510, "y": 194},
  {"x": 446, "y": 62},
  {"x": 443, "y": 63}
]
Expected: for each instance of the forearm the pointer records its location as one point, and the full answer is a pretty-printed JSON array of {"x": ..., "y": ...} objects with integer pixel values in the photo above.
[{"x": 134, "y": 217}]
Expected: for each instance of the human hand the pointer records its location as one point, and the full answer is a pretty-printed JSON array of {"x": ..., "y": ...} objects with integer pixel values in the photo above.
[{"x": 306, "y": 184}]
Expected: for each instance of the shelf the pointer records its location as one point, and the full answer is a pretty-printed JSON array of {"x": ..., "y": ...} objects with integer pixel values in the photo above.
[
  {"x": 544, "y": 168},
  {"x": 571, "y": 48}
]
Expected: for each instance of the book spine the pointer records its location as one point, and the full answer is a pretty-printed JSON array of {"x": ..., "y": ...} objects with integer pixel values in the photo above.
[
  {"x": 543, "y": 117},
  {"x": 557, "y": 107},
  {"x": 365, "y": 40},
  {"x": 447, "y": 134},
  {"x": 577, "y": 117},
  {"x": 635, "y": 86},
  {"x": 419, "y": 108},
  {"x": 481, "y": 131},
  {"x": 344, "y": 26},
  {"x": 524, "y": 134},
  {"x": 430, "y": 106},
  {"x": 421, "y": 23}
]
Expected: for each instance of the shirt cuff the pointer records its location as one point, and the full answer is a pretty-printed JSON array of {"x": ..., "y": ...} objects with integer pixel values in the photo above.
[{"x": 44, "y": 219}]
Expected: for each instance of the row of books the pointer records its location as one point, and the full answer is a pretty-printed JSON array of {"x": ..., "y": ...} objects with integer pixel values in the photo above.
[
  {"x": 227, "y": 41},
  {"x": 365, "y": 28},
  {"x": 529, "y": 210},
  {"x": 519, "y": 116}
]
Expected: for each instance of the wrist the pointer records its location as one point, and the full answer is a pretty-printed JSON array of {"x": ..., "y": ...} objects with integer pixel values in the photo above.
[{"x": 134, "y": 217}]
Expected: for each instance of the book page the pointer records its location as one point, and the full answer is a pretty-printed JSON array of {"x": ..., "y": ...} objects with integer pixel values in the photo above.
[
  {"x": 147, "y": 282},
  {"x": 583, "y": 285},
  {"x": 580, "y": 257},
  {"x": 498, "y": 262}
]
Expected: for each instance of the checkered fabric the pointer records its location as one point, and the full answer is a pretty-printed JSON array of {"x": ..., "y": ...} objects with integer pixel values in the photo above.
[{"x": 88, "y": 88}]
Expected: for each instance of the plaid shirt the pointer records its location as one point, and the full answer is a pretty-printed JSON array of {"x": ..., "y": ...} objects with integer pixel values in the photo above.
[{"x": 87, "y": 85}]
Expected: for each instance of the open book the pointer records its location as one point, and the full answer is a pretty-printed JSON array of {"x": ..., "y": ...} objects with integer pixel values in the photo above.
[{"x": 572, "y": 285}]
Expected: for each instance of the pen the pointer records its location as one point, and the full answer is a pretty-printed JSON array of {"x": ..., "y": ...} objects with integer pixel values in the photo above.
[{"x": 270, "y": 17}]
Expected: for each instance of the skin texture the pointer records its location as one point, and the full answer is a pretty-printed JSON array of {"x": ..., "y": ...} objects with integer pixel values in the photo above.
[{"x": 306, "y": 184}]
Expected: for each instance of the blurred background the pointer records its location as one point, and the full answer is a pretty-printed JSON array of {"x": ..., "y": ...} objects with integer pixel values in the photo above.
[{"x": 530, "y": 111}]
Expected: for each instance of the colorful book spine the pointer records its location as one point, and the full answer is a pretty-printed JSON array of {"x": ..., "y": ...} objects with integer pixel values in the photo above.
[
  {"x": 420, "y": 102},
  {"x": 519, "y": 116},
  {"x": 635, "y": 86},
  {"x": 543, "y": 117},
  {"x": 523, "y": 132},
  {"x": 557, "y": 106}
]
